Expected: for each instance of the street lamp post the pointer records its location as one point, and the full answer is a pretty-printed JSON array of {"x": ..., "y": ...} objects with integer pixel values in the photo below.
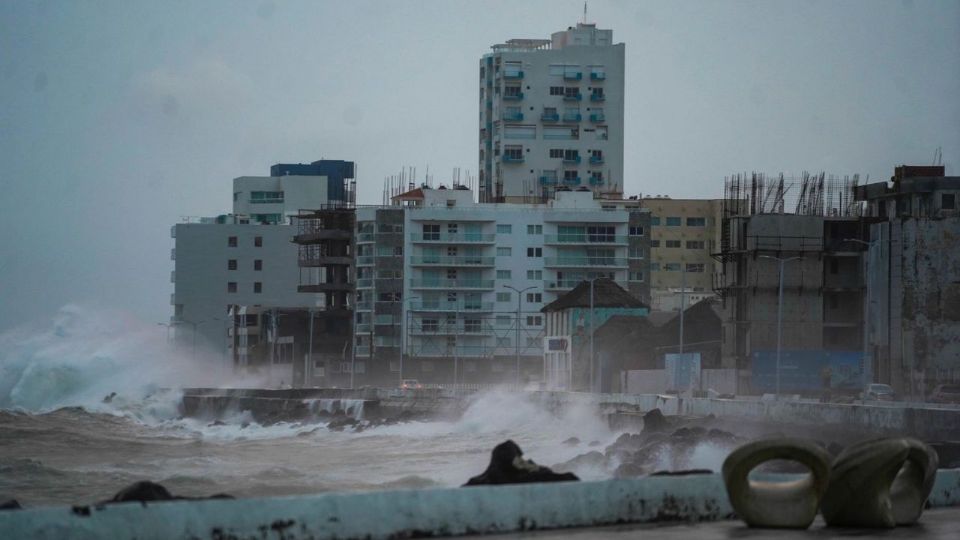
[
  {"x": 405, "y": 336},
  {"x": 519, "y": 298},
  {"x": 779, "y": 314},
  {"x": 867, "y": 361}
]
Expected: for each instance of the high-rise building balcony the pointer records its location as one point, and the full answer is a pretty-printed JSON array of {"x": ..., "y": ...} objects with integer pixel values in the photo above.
[
  {"x": 550, "y": 117},
  {"x": 445, "y": 238},
  {"x": 512, "y": 74},
  {"x": 596, "y": 160},
  {"x": 451, "y": 307},
  {"x": 598, "y": 76},
  {"x": 567, "y": 284},
  {"x": 596, "y": 180},
  {"x": 586, "y": 238},
  {"x": 467, "y": 260},
  {"x": 513, "y": 116},
  {"x": 365, "y": 283},
  {"x": 450, "y": 329},
  {"x": 573, "y": 97},
  {"x": 513, "y": 97},
  {"x": 507, "y": 158},
  {"x": 597, "y": 117},
  {"x": 365, "y": 260},
  {"x": 571, "y": 180},
  {"x": 571, "y": 159},
  {"x": 597, "y": 97},
  {"x": 573, "y": 75},
  {"x": 428, "y": 283},
  {"x": 572, "y": 117},
  {"x": 366, "y": 237},
  {"x": 584, "y": 262}
]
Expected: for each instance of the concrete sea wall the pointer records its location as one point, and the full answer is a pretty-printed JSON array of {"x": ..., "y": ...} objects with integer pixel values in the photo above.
[{"x": 407, "y": 513}]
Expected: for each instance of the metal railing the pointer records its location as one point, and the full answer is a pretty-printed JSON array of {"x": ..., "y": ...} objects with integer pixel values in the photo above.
[
  {"x": 451, "y": 307},
  {"x": 451, "y": 261},
  {"x": 584, "y": 261},
  {"x": 584, "y": 238},
  {"x": 465, "y": 238},
  {"x": 451, "y": 283}
]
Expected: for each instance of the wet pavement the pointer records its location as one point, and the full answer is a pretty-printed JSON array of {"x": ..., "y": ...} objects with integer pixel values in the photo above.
[{"x": 935, "y": 524}]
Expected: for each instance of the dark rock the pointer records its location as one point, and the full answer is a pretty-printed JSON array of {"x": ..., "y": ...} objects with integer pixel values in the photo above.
[
  {"x": 109, "y": 397},
  {"x": 339, "y": 424},
  {"x": 629, "y": 469},
  {"x": 507, "y": 466},
  {"x": 142, "y": 491},
  {"x": 244, "y": 425},
  {"x": 10, "y": 504},
  {"x": 590, "y": 459},
  {"x": 572, "y": 441},
  {"x": 654, "y": 421},
  {"x": 594, "y": 443}
]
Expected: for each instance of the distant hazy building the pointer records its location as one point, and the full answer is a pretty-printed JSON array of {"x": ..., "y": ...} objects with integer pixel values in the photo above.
[
  {"x": 551, "y": 115},
  {"x": 684, "y": 235},
  {"x": 246, "y": 258}
]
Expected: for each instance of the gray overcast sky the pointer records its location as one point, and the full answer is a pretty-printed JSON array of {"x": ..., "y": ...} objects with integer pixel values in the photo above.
[{"x": 117, "y": 118}]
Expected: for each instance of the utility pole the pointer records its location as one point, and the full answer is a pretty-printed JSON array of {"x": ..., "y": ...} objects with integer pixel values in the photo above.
[
  {"x": 779, "y": 314},
  {"x": 868, "y": 276},
  {"x": 309, "y": 359},
  {"x": 683, "y": 299}
]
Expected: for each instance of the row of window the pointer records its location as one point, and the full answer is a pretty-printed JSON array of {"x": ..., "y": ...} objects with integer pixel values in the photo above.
[
  {"x": 257, "y": 287},
  {"x": 265, "y": 197},
  {"x": 677, "y": 267},
  {"x": 257, "y": 264},
  {"x": 232, "y": 241},
  {"x": 691, "y": 244},
  {"x": 678, "y": 221}
]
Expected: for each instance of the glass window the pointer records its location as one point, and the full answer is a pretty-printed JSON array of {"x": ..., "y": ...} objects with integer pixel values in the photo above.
[
  {"x": 232, "y": 264},
  {"x": 636, "y": 253},
  {"x": 636, "y": 230},
  {"x": 695, "y": 267},
  {"x": 503, "y": 297},
  {"x": 534, "y": 274},
  {"x": 503, "y": 252},
  {"x": 257, "y": 287},
  {"x": 672, "y": 267},
  {"x": 503, "y": 274},
  {"x": 231, "y": 286},
  {"x": 258, "y": 265},
  {"x": 674, "y": 221},
  {"x": 695, "y": 244},
  {"x": 948, "y": 201},
  {"x": 258, "y": 241},
  {"x": 503, "y": 320},
  {"x": 534, "y": 252},
  {"x": 534, "y": 298},
  {"x": 636, "y": 276},
  {"x": 654, "y": 267},
  {"x": 696, "y": 222},
  {"x": 534, "y": 229},
  {"x": 673, "y": 243},
  {"x": 654, "y": 243},
  {"x": 232, "y": 241},
  {"x": 534, "y": 320},
  {"x": 504, "y": 229}
]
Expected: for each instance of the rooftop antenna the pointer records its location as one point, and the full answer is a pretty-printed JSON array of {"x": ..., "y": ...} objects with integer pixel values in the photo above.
[
  {"x": 584, "y": 13},
  {"x": 938, "y": 156}
]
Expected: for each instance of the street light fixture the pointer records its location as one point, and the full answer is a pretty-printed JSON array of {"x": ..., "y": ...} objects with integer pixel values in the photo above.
[
  {"x": 779, "y": 313},
  {"x": 519, "y": 298}
]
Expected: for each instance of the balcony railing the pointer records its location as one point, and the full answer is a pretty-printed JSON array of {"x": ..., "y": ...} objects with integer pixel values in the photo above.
[
  {"x": 465, "y": 238},
  {"x": 513, "y": 97},
  {"x": 512, "y": 159},
  {"x": 597, "y": 117},
  {"x": 366, "y": 237},
  {"x": 571, "y": 180},
  {"x": 365, "y": 283},
  {"x": 451, "y": 283},
  {"x": 513, "y": 74},
  {"x": 513, "y": 117},
  {"x": 363, "y": 328},
  {"x": 451, "y": 261},
  {"x": 567, "y": 284},
  {"x": 585, "y": 239},
  {"x": 550, "y": 117},
  {"x": 442, "y": 328},
  {"x": 582, "y": 262},
  {"x": 548, "y": 180},
  {"x": 451, "y": 307},
  {"x": 365, "y": 260},
  {"x": 596, "y": 76},
  {"x": 573, "y": 97},
  {"x": 596, "y": 180},
  {"x": 366, "y": 305},
  {"x": 572, "y": 117},
  {"x": 597, "y": 97},
  {"x": 571, "y": 159},
  {"x": 596, "y": 160},
  {"x": 573, "y": 75}
]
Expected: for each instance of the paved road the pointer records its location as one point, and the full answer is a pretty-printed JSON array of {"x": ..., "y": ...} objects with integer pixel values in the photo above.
[{"x": 935, "y": 524}]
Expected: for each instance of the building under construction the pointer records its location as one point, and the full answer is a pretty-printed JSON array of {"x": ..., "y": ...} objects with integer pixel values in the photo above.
[{"x": 813, "y": 229}]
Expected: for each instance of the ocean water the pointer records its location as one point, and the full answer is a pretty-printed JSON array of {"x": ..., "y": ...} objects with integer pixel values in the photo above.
[{"x": 61, "y": 444}]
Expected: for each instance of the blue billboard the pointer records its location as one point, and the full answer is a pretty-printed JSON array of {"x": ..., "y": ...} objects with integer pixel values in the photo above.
[{"x": 807, "y": 371}]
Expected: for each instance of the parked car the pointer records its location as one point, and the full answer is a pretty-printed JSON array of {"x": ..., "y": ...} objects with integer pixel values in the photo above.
[
  {"x": 946, "y": 393},
  {"x": 410, "y": 383},
  {"x": 880, "y": 392}
]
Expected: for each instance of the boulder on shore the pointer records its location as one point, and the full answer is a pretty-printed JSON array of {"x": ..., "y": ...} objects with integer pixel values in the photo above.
[
  {"x": 146, "y": 491},
  {"x": 507, "y": 466},
  {"x": 10, "y": 504}
]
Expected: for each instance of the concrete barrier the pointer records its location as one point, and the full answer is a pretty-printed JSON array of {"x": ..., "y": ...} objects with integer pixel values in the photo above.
[{"x": 407, "y": 513}]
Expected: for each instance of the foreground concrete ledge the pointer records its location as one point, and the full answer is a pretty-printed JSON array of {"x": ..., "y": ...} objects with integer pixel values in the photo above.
[{"x": 407, "y": 513}]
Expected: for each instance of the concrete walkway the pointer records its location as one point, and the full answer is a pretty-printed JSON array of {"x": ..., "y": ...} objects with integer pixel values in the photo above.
[{"x": 936, "y": 523}]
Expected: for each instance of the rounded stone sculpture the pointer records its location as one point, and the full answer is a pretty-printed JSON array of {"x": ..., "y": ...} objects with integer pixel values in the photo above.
[
  {"x": 880, "y": 483},
  {"x": 790, "y": 504}
]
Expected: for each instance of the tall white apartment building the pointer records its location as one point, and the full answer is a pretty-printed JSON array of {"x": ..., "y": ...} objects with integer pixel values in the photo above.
[
  {"x": 452, "y": 289},
  {"x": 551, "y": 116},
  {"x": 246, "y": 258}
]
